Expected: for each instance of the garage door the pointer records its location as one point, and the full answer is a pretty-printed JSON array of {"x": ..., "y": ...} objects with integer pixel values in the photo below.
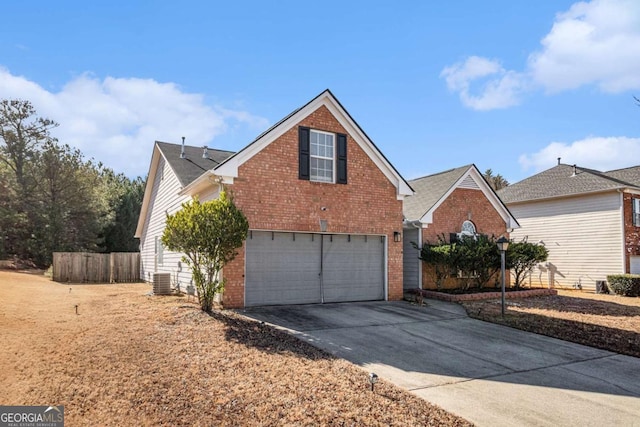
[{"x": 304, "y": 268}]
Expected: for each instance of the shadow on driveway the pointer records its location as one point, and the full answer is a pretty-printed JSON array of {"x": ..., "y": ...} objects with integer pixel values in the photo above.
[{"x": 489, "y": 374}]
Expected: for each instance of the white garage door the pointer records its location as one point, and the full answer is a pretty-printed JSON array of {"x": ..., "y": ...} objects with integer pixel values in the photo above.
[{"x": 304, "y": 268}]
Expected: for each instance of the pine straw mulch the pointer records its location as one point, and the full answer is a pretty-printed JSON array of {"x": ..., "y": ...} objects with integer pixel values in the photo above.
[
  {"x": 609, "y": 322},
  {"x": 128, "y": 358}
]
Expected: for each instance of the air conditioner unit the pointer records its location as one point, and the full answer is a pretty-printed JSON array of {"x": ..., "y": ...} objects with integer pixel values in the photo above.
[{"x": 161, "y": 283}]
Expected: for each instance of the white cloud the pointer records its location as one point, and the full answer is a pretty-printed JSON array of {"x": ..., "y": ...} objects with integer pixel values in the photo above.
[
  {"x": 502, "y": 90},
  {"x": 600, "y": 153},
  {"x": 593, "y": 43},
  {"x": 116, "y": 120}
]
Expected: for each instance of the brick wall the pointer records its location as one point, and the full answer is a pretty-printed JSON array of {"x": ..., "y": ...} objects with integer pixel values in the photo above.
[
  {"x": 631, "y": 232},
  {"x": 273, "y": 198},
  {"x": 461, "y": 205}
]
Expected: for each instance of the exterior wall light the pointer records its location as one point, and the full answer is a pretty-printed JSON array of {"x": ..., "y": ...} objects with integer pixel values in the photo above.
[
  {"x": 397, "y": 236},
  {"x": 323, "y": 225}
]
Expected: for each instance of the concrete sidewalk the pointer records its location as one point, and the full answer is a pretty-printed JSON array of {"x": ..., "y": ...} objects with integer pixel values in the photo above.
[{"x": 489, "y": 374}]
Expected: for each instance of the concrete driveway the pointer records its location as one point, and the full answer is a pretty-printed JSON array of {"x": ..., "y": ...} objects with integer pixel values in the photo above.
[{"x": 489, "y": 374}]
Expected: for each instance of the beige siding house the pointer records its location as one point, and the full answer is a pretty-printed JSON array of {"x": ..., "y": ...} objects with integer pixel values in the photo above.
[{"x": 583, "y": 217}]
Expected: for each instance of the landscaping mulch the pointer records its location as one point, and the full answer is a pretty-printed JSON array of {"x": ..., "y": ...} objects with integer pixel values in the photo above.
[
  {"x": 609, "y": 322},
  {"x": 127, "y": 358}
]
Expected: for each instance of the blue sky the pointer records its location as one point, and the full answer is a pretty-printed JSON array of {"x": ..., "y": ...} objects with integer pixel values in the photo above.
[{"x": 506, "y": 85}]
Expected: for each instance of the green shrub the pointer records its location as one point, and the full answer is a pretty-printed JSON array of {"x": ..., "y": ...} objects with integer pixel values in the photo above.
[{"x": 627, "y": 285}]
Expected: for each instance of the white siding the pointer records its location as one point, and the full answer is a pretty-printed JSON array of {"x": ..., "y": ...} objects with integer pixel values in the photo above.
[
  {"x": 583, "y": 236},
  {"x": 164, "y": 198}
]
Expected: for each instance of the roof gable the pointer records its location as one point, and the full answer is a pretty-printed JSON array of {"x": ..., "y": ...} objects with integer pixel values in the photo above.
[
  {"x": 566, "y": 180},
  {"x": 432, "y": 190},
  {"x": 228, "y": 169}
]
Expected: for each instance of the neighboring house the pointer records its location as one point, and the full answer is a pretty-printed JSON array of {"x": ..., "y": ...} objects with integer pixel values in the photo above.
[
  {"x": 587, "y": 219},
  {"x": 324, "y": 208},
  {"x": 445, "y": 206}
]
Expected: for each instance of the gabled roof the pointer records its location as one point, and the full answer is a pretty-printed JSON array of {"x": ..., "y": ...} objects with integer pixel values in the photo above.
[
  {"x": 193, "y": 165},
  {"x": 228, "y": 169},
  {"x": 432, "y": 190},
  {"x": 567, "y": 180},
  {"x": 630, "y": 175},
  {"x": 429, "y": 190}
]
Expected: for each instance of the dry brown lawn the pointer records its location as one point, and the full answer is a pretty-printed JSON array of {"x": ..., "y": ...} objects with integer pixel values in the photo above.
[
  {"x": 610, "y": 322},
  {"x": 128, "y": 358}
]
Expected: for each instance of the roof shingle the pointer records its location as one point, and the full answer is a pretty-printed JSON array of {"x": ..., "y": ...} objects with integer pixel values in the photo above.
[
  {"x": 566, "y": 180},
  {"x": 193, "y": 165},
  {"x": 428, "y": 190}
]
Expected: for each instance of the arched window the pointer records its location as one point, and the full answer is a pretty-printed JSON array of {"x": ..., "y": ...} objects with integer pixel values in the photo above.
[{"x": 468, "y": 229}]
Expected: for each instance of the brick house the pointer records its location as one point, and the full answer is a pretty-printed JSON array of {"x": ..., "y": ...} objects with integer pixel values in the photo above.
[
  {"x": 587, "y": 219},
  {"x": 445, "y": 206},
  {"x": 323, "y": 203}
]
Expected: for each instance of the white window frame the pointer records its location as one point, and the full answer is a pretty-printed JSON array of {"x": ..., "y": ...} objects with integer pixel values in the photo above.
[{"x": 317, "y": 178}]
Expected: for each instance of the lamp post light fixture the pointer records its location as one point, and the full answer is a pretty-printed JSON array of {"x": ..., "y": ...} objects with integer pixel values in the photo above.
[
  {"x": 373, "y": 378},
  {"x": 503, "y": 245}
]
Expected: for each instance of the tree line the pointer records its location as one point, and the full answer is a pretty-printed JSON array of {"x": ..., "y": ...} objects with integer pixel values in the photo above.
[{"x": 52, "y": 199}]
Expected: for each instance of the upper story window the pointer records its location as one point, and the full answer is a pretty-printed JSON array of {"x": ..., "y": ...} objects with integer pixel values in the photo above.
[
  {"x": 468, "y": 229},
  {"x": 636, "y": 212},
  {"x": 322, "y": 156}
]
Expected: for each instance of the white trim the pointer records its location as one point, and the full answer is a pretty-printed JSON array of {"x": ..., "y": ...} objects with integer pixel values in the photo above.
[
  {"x": 153, "y": 167},
  {"x": 332, "y": 158},
  {"x": 474, "y": 173},
  {"x": 229, "y": 168}
]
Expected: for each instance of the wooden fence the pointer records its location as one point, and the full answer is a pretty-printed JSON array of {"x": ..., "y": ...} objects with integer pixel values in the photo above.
[{"x": 84, "y": 267}]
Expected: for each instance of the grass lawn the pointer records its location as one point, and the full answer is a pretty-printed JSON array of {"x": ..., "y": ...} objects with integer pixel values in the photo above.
[
  {"x": 127, "y": 358},
  {"x": 610, "y": 322}
]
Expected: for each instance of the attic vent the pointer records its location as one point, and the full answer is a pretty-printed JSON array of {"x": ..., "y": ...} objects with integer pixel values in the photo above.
[
  {"x": 205, "y": 152},
  {"x": 469, "y": 183}
]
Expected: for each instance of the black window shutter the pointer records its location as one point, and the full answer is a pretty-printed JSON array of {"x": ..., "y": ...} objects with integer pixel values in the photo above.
[
  {"x": 342, "y": 159},
  {"x": 303, "y": 153}
]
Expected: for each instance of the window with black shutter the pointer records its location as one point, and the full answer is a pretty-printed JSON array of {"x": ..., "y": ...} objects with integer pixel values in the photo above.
[{"x": 322, "y": 156}]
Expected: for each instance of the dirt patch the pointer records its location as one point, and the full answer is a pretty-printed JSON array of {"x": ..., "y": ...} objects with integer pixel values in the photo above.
[
  {"x": 609, "y": 322},
  {"x": 131, "y": 359}
]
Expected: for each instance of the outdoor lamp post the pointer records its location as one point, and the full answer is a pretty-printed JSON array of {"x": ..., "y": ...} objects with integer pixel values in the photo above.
[
  {"x": 503, "y": 245},
  {"x": 373, "y": 378}
]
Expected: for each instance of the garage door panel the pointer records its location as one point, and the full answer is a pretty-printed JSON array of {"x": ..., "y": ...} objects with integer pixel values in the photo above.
[
  {"x": 282, "y": 268},
  {"x": 353, "y": 268}
]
